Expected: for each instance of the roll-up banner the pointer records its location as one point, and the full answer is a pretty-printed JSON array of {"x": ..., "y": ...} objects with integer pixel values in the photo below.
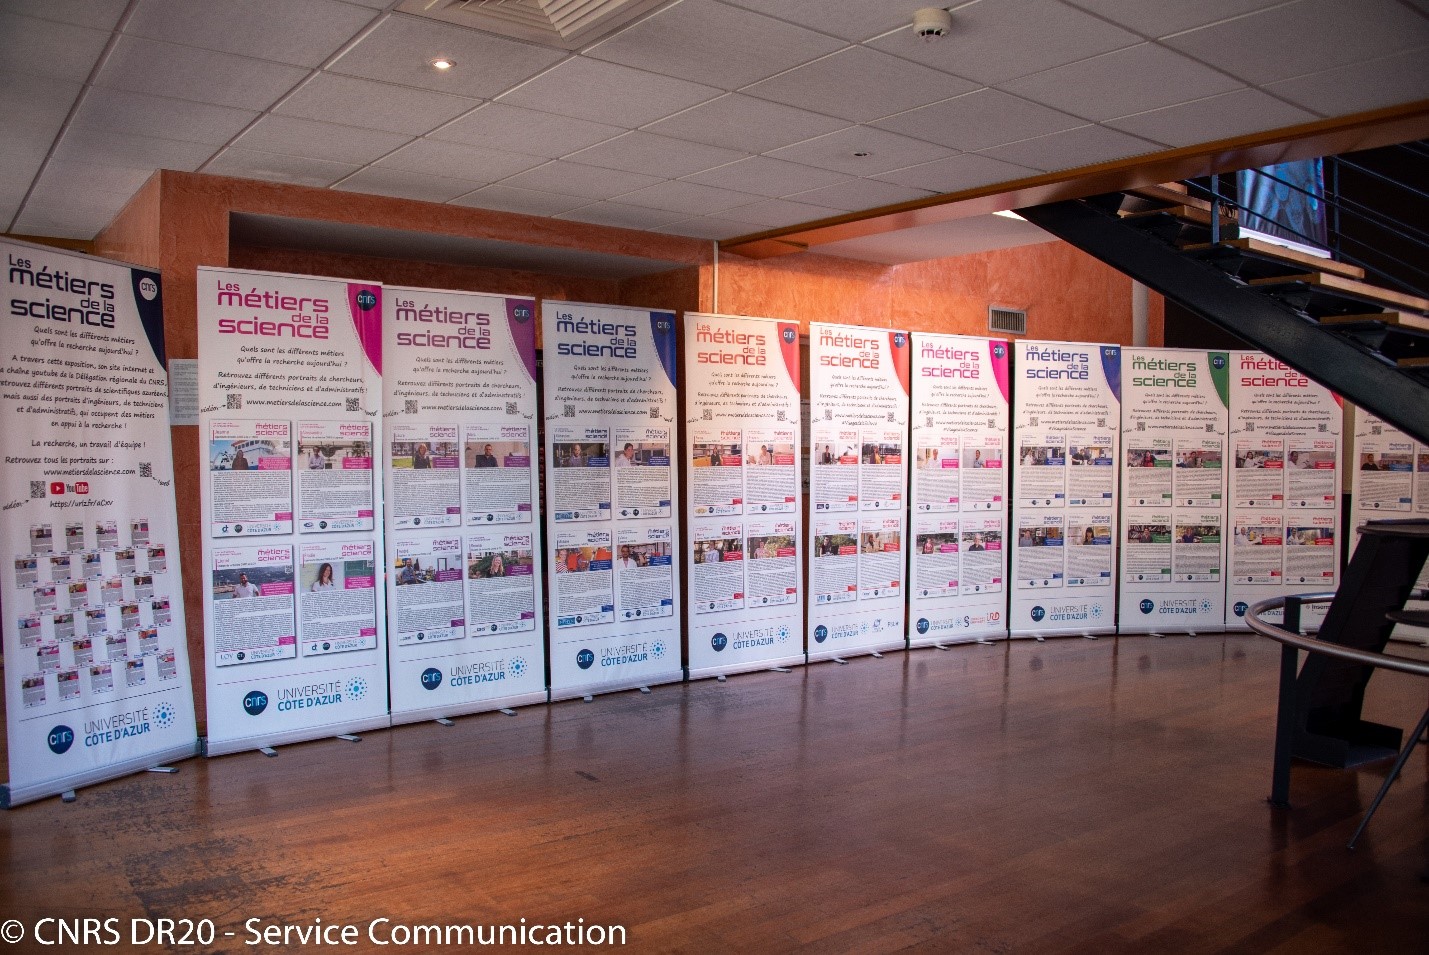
[
  {"x": 96, "y": 664},
  {"x": 858, "y": 473},
  {"x": 1066, "y": 429},
  {"x": 609, "y": 380},
  {"x": 1284, "y": 487},
  {"x": 1390, "y": 480},
  {"x": 958, "y": 585},
  {"x": 290, "y": 427},
  {"x": 1174, "y": 416},
  {"x": 463, "y": 537},
  {"x": 742, "y": 432}
]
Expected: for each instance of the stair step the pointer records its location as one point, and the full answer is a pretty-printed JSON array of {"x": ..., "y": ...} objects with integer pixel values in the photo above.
[
  {"x": 1420, "y": 362},
  {"x": 1402, "y": 319},
  {"x": 1279, "y": 255},
  {"x": 1171, "y": 194},
  {"x": 1348, "y": 288},
  {"x": 1188, "y": 213}
]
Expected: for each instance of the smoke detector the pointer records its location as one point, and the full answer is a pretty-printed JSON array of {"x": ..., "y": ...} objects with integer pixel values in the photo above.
[{"x": 931, "y": 23}]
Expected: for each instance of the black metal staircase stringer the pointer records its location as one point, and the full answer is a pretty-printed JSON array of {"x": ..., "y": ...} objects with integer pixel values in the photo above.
[{"x": 1329, "y": 359}]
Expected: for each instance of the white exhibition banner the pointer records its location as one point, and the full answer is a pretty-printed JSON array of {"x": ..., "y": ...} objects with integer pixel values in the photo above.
[
  {"x": 958, "y": 585},
  {"x": 96, "y": 660},
  {"x": 460, "y": 488},
  {"x": 609, "y": 381},
  {"x": 744, "y": 496},
  {"x": 290, "y": 400},
  {"x": 1284, "y": 487},
  {"x": 1066, "y": 425},
  {"x": 1174, "y": 416},
  {"x": 858, "y": 434},
  {"x": 1390, "y": 480}
]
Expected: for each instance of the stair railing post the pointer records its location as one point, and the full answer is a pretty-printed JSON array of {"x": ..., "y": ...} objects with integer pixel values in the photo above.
[
  {"x": 1285, "y": 717},
  {"x": 1215, "y": 208}
]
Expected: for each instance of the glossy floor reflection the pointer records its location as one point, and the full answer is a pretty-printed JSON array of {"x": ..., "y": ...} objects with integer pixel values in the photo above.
[{"x": 1062, "y": 797}]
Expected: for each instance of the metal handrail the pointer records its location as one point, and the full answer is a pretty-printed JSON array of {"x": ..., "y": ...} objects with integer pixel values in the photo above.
[{"x": 1299, "y": 641}]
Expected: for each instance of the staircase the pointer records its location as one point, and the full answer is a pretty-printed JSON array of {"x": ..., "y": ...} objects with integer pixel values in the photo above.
[{"x": 1362, "y": 339}]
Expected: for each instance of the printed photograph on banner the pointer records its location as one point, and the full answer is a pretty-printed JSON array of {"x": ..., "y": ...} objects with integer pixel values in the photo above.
[
  {"x": 1148, "y": 547},
  {"x": 1090, "y": 554},
  {"x": 834, "y": 468},
  {"x": 1042, "y": 557},
  {"x": 982, "y": 555},
  {"x": 1311, "y": 557},
  {"x": 1260, "y": 472},
  {"x": 771, "y": 484},
  {"x": 500, "y": 583},
  {"x": 716, "y": 472},
  {"x": 640, "y": 461},
  {"x": 644, "y": 573},
  {"x": 580, "y": 475},
  {"x": 250, "y": 476},
  {"x": 717, "y": 576},
  {"x": 496, "y": 461},
  {"x": 1042, "y": 471},
  {"x": 253, "y": 612},
  {"x": 1310, "y": 474},
  {"x": 1091, "y": 473},
  {"x": 937, "y": 461},
  {"x": 334, "y": 476},
  {"x": 583, "y": 579},
  {"x": 937, "y": 559},
  {"x": 771, "y": 560},
  {"x": 1258, "y": 549},
  {"x": 337, "y": 602},
  {"x": 429, "y": 605},
  {"x": 881, "y": 471},
  {"x": 833, "y": 571},
  {"x": 426, "y": 475},
  {"x": 981, "y": 473},
  {"x": 880, "y": 563},
  {"x": 1196, "y": 547},
  {"x": 1199, "y": 472}
]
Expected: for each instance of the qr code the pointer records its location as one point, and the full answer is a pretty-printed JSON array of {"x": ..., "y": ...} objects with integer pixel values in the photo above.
[
  {"x": 1141, "y": 426},
  {"x": 1101, "y": 422},
  {"x": 511, "y": 407},
  {"x": 782, "y": 415},
  {"x": 1032, "y": 422},
  {"x": 1250, "y": 426},
  {"x": 655, "y": 411},
  {"x": 828, "y": 414},
  {"x": 1324, "y": 427},
  {"x": 568, "y": 411},
  {"x": 890, "y": 417},
  {"x": 146, "y": 469},
  {"x": 37, "y": 489},
  {"x": 353, "y": 405},
  {"x": 410, "y": 405},
  {"x": 1210, "y": 427},
  {"x": 1376, "y": 429},
  {"x": 706, "y": 414},
  {"x": 235, "y": 402}
]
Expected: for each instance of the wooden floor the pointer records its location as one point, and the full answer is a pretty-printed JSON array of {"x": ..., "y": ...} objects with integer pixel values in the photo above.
[{"x": 1073, "y": 796}]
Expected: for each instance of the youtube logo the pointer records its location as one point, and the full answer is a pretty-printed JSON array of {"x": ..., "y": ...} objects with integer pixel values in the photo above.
[
  {"x": 81, "y": 487},
  {"x": 57, "y": 487}
]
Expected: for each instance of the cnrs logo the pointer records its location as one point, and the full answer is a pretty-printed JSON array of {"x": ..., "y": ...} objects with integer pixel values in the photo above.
[
  {"x": 1147, "y": 606},
  {"x": 61, "y": 738},
  {"x": 431, "y": 678},
  {"x": 255, "y": 702},
  {"x": 148, "y": 288},
  {"x": 719, "y": 641},
  {"x": 585, "y": 659}
]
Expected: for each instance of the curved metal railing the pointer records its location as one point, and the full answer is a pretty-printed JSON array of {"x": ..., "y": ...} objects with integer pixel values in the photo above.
[{"x": 1299, "y": 641}]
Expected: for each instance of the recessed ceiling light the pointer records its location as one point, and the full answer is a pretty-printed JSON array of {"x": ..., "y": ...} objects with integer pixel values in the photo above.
[{"x": 442, "y": 64}]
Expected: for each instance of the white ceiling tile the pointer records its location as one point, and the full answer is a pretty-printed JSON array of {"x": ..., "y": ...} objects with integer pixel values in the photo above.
[
  {"x": 95, "y": 14},
  {"x": 859, "y": 194},
  {"x": 1159, "y": 19},
  {"x": 1216, "y": 117},
  {"x": 255, "y": 164},
  {"x": 608, "y": 93},
  {"x": 20, "y": 159},
  {"x": 621, "y": 215},
  {"x": 655, "y": 155},
  {"x": 1073, "y": 148},
  {"x": 767, "y": 177},
  {"x": 980, "y": 119},
  {"x": 401, "y": 49},
  {"x": 776, "y": 213},
  {"x": 736, "y": 121},
  {"x": 1133, "y": 80},
  {"x": 374, "y": 4},
  {"x": 573, "y": 179},
  {"x": 860, "y": 84},
  {"x": 305, "y": 33},
  {"x": 314, "y": 140},
  {"x": 122, "y": 150},
  {"x": 334, "y": 98},
  {"x": 526, "y": 131},
  {"x": 459, "y": 161},
  {"x": 996, "y": 40},
  {"x": 711, "y": 227},
  {"x": 708, "y": 42},
  {"x": 57, "y": 51},
  {"x": 688, "y": 198},
  {"x": 64, "y": 223},
  {"x": 38, "y": 102},
  {"x": 504, "y": 198},
  {"x": 403, "y": 184},
  {"x": 1307, "y": 35},
  {"x": 855, "y": 20},
  {"x": 83, "y": 185},
  {"x": 956, "y": 173},
  {"x": 162, "y": 69},
  {"x": 883, "y": 151},
  {"x": 140, "y": 114},
  {"x": 1359, "y": 87}
]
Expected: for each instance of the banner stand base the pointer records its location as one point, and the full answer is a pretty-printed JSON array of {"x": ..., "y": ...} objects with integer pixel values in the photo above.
[
  {"x": 12, "y": 796},
  {"x": 777, "y": 664},
  {"x": 443, "y": 721},
  {"x": 848, "y": 652},
  {"x": 986, "y": 639},
  {"x": 304, "y": 735},
  {"x": 586, "y": 692},
  {"x": 440, "y": 713}
]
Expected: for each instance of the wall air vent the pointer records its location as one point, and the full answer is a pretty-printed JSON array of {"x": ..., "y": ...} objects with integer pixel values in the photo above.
[
  {"x": 1007, "y": 321},
  {"x": 564, "y": 24}
]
